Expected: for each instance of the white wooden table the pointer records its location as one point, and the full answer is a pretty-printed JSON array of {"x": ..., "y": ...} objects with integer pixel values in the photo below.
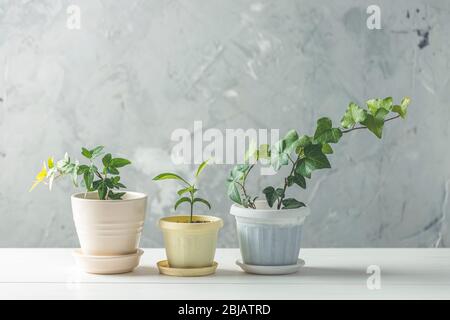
[{"x": 328, "y": 274}]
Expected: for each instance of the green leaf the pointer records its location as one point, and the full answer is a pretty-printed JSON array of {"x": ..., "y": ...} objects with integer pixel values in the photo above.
[
  {"x": 327, "y": 149},
  {"x": 325, "y": 133},
  {"x": 238, "y": 172},
  {"x": 386, "y": 103},
  {"x": 280, "y": 192},
  {"x": 264, "y": 151},
  {"x": 170, "y": 176},
  {"x": 115, "y": 196},
  {"x": 402, "y": 108},
  {"x": 354, "y": 114},
  {"x": 233, "y": 192},
  {"x": 290, "y": 140},
  {"x": 271, "y": 195},
  {"x": 96, "y": 151},
  {"x": 109, "y": 183},
  {"x": 302, "y": 142},
  {"x": 82, "y": 169},
  {"x": 201, "y": 167},
  {"x": 292, "y": 203},
  {"x": 314, "y": 159},
  {"x": 102, "y": 190},
  {"x": 298, "y": 180},
  {"x": 279, "y": 157},
  {"x": 203, "y": 201},
  {"x": 186, "y": 190},
  {"x": 375, "y": 123},
  {"x": 112, "y": 170},
  {"x": 88, "y": 178},
  {"x": 107, "y": 159},
  {"x": 181, "y": 200},
  {"x": 375, "y": 104},
  {"x": 96, "y": 184},
  {"x": 281, "y": 149},
  {"x": 119, "y": 162},
  {"x": 85, "y": 152}
]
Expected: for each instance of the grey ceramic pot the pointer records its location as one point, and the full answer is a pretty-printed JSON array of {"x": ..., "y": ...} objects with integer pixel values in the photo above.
[{"x": 269, "y": 237}]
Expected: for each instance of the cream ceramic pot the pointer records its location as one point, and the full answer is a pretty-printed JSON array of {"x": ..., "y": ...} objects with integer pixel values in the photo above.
[
  {"x": 190, "y": 245},
  {"x": 109, "y": 227}
]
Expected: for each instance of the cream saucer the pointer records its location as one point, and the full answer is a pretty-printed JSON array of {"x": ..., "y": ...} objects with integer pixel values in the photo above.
[
  {"x": 107, "y": 264},
  {"x": 271, "y": 270},
  {"x": 164, "y": 268}
]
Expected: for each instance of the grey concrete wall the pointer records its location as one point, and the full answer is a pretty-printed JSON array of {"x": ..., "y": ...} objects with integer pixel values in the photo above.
[{"x": 137, "y": 70}]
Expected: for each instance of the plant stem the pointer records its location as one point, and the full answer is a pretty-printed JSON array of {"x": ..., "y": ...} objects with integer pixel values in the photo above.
[
  {"x": 280, "y": 200},
  {"x": 242, "y": 185},
  {"x": 364, "y": 127},
  {"x": 192, "y": 204}
]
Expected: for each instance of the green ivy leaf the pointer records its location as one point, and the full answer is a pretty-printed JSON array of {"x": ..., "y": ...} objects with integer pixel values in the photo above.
[
  {"x": 314, "y": 159},
  {"x": 271, "y": 195},
  {"x": 354, "y": 114},
  {"x": 279, "y": 157},
  {"x": 375, "y": 104},
  {"x": 238, "y": 172},
  {"x": 327, "y": 149},
  {"x": 282, "y": 149},
  {"x": 386, "y": 103},
  {"x": 292, "y": 203},
  {"x": 290, "y": 140},
  {"x": 375, "y": 123},
  {"x": 298, "y": 180},
  {"x": 233, "y": 192},
  {"x": 280, "y": 192},
  {"x": 264, "y": 151},
  {"x": 402, "y": 108},
  {"x": 325, "y": 133}
]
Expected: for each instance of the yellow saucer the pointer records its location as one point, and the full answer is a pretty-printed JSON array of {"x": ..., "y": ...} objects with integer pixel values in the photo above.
[{"x": 164, "y": 268}]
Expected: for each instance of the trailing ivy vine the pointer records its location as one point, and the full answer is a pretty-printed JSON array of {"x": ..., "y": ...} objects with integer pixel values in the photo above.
[{"x": 305, "y": 154}]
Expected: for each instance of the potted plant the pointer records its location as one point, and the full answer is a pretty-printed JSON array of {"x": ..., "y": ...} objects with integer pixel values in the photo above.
[
  {"x": 190, "y": 240},
  {"x": 108, "y": 221},
  {"x": 269, "y": 230}
]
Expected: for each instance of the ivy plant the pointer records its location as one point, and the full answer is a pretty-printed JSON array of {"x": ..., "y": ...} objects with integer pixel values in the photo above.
[
  {"x": 188, "y": 191},
  {"x": 106, "y": 181},
  {"x": 305, "y": 154}
]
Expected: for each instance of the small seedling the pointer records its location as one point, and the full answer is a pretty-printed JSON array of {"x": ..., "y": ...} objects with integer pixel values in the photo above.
[{"x": 188, "y": 188}]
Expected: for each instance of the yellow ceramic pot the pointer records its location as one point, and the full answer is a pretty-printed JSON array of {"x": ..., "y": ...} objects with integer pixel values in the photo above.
[{"x": 190, "y": 245}]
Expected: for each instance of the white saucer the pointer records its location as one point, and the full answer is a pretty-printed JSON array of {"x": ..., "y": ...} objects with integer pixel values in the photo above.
[
  {"x": 107, "y": 264},
  {"x": 271, "y": 270}
]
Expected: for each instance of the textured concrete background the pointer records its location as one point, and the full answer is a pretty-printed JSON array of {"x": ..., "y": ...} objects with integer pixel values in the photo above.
[{"x": 137, "y": 70}]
